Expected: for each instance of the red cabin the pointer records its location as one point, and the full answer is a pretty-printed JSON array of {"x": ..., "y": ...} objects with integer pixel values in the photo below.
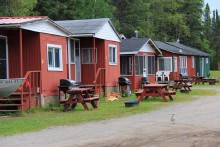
[
  {"x": 34, "y": 48},
  {"x": 94, "y": 52},
  {"x": 138, "y": 59}
]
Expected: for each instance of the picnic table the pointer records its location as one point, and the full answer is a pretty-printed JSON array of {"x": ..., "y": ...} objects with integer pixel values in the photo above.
[
  {"x": 211, "y": 81},
  {"x": 181, "y": 84},
  {"x": 79, "y": 95},
  {"x": 197, "y": 79},
  {"x": 160, "y": 90}
]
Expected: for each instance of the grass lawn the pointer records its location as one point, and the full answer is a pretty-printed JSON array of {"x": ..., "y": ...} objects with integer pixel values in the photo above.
[
  {"x": 215, "y": 74},
  {"x": 38, "y": 119}
]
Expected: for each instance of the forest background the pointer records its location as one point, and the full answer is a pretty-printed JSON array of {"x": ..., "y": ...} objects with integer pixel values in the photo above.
[{"x": 190, "y": 21}]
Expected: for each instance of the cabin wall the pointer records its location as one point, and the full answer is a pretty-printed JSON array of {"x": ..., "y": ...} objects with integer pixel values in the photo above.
[
  {"x": 31, "y": 51},
  {"x": 13, "y": 52},
  {"x": 112, "y": 71},
  {"x": 50, "y": 79}
]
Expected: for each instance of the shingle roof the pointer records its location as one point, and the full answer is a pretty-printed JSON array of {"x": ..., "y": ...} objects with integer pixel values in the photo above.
[
  {"x": 20, "y": 20},
  {"x": 172, "y": 49},
  {"x": 132, "y": 45},
  {"x": 86, "y": 26},
  {"x": 187, "y": 48}
]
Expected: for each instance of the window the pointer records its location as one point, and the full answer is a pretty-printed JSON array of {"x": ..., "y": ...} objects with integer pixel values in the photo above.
[
  {"x": 89, "y": 56},
  {"x": 206, "y": 60},
  {"x": 139, "y": 65},
  {"x": 126, "y": 65},
  {"x": 175, "y": 64},
  {"x": 165, "y": 64},
  {"x": 193, "y": 62},
  {"x": 183, "y": 65},
  {"x": 112, "y": 54},
  {"x": 151, "y": 64},
  {"x": 54, "y": 57}
]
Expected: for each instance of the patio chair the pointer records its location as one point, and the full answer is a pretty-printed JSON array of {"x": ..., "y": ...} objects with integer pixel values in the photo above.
[
  {"x": 166, "y": 76},
  {"x": 159, "y": 76}
]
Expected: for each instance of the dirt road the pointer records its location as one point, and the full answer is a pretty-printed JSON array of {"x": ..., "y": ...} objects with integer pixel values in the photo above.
[{"x": 197, "y": 124}]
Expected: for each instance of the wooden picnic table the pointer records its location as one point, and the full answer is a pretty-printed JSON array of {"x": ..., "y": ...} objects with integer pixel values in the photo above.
[
  {"x": 211, "y": 81},
  {"x": 79, "y": 95},
  {"x": 181, "y": 84},
  {"x": 197, "y": 79},
  {"x": 160, "y": 90}
]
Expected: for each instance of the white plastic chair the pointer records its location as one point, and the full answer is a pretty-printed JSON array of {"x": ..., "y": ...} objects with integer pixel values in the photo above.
[
  {"x": 159, "y": 76},
  {"x": 166, "y": 76}
]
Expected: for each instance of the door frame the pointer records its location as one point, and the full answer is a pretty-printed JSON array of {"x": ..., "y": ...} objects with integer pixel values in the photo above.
[
  {"x": 6, "y": 47},
  {"x": 202, "y": 66},
  {"x": 69, "y": 59}
]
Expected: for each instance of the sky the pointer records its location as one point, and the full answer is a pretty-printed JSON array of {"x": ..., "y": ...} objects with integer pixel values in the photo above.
[{"x": 213, "y": 4}]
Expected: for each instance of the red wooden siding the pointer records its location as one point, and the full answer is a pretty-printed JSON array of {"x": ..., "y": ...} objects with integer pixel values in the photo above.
[
  {"x": 72, "y": 66},
  {"x": 13, "y": 52},
  {"x": 31, "y": 51},
  {"x": 50, "y": 79},
  {"x": 112, "y": 71}
]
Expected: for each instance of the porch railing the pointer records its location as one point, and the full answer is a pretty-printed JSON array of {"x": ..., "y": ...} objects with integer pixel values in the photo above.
[
  {"x": 31, "y": 86},
  {"x": 99, "y": 80}
]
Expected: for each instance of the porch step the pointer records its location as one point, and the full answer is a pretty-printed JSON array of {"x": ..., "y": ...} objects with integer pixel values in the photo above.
[
  {"x": 3, "y": 105},
  {"x": 10, "y": 99},
  {"x": 9, "y": 110}
]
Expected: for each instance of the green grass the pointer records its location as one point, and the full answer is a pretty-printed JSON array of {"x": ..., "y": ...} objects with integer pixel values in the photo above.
[
  {"x": 38, "y": 119},
  {"x": 215, "y": 74}
]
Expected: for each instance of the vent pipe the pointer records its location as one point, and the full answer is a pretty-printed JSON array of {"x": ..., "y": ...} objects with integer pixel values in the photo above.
[{"x": 136, "y": 34}]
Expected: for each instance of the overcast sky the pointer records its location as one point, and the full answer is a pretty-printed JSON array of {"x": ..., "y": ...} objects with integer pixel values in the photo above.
[{"x": 213, "y": 4}]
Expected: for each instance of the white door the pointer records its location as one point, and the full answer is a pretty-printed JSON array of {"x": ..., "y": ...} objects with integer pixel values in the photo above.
[
  {"x": 183, "y": 65},
  {"x": 145, "y": 68},
  {"x": 3, "y": 58},
  {"x": 77, "y": 61},
  {"x": 202, "y": 64}
]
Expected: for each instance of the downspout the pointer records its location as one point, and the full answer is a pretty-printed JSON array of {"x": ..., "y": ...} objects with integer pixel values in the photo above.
[
  {"x": 173, "y": 64},
  {"x": 21, "y": 54},
  {"x": 68, "y": 56}
]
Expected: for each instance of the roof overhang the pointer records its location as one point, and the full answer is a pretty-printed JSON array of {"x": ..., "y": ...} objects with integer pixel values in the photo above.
[
  {"x": 82, "y": 35},
  {"x": 128, "y": 53},
  {"x": 157, "y": 49}
]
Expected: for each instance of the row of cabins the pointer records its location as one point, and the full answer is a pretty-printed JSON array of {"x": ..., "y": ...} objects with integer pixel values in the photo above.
[{"x": 87, "y": 51}]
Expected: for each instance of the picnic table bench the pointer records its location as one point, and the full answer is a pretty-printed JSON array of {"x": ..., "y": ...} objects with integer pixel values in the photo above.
[
  {"x": 79, "y": 95},
  {"x": 159, "y": 90},
  {"x": 197, "y": 79},
  {"x": 181, "y": 84},
  {"x": 211, "y": 81}
]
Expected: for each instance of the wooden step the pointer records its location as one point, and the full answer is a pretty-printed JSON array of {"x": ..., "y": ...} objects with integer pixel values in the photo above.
[
  {"x": 19, "y": 93},
  {"x": 9, "y": 110},
  {"x": 4, "y": 105},
  {"x": 10, "y": 99}
]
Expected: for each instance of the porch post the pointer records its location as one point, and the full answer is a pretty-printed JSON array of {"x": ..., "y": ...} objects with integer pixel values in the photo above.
[
  {"x": 21, "y": 55},
  {"x": 68, "y": 56},
  {"x": 94, "y": 58}
]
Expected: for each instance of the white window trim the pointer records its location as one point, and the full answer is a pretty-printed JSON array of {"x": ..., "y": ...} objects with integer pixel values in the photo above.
[
  {"x": 141, "y": 74},
  {"x": 132, "y": 66},
  {"x": 60, "y": 57},
  {"x": 193, "y": 62},
  {"x": 95, "y": 55},
  {"x": 206, "y": 60},
  {"x": 175, "y": 62},
  {"x": 116, "y": 54},
  {"x": 171, "y": 69}
]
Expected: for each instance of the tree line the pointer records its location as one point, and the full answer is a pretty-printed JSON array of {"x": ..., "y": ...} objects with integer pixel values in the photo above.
[{"x": 190, "y": 21}]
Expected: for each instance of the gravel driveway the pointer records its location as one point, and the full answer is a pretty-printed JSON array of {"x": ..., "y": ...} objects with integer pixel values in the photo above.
[{"x": 197, "y": 125}]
